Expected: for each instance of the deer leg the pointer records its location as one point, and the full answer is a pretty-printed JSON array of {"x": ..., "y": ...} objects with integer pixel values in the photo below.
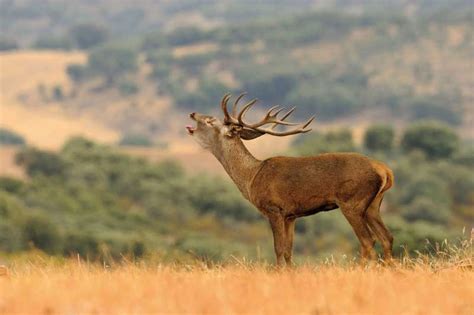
[
  {"x": 290, "y": 232},
  {"x": 373, "y": 235},
  {"x": 377, "y": 225},
  {"x": 277, "y": 223},
  {"x": 357, "y": 221}
]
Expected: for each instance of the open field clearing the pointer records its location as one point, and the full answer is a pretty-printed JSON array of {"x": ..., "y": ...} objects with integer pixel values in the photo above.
[
  {"x": 80, "y": 288},
  {"x": 45, "y": 126}
]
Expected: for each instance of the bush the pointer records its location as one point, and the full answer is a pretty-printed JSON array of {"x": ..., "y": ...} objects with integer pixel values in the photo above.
[
  {"x": 83, "y": 244},
  {"x": 40, "y": 162},
  {"x": 112, "y": 62},
  {"x": 379, "y": 138},
  {"x": 77, "y": 72},
  {"x": 42, "y": 233},
  {"x": 432, "y": 108},
  {"x": 128, "y": 87},
  {"x": 434, "y": 139},
  {"x": 326, "y": 101},
  {"x": 50, "y": 42},
  {"x": 10, "y": 137},
  {"x": 333, "y": 141},
  {"x": 135, "y": 139},
  {"x": 11, "y": 185},
  {"x": 186, "y": 36},
  {"x": 88, "y": 35},
  {"x": 58, "y": 93},
  {"x": 206, "y": 97},
  {"x": 8, "y": 44},
  {"x": 272, "y": 87}
]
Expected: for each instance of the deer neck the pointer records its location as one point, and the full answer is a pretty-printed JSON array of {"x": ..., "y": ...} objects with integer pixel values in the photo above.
[{"x": 238, "y": 162}]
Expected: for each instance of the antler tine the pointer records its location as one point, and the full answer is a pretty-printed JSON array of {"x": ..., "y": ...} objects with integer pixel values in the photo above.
[
  {"x": 234, "y": 107},
  {"x": 289, "y": 113},
  {"x": 245, "y": 109},
  {"x": 224, "y": 101},
  {"x": 284, "y": 117},
  {"x": 309, "y": 121}
]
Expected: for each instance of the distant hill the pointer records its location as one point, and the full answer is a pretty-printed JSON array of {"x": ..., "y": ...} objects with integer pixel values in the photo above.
[{"x": 348, "y": 62}]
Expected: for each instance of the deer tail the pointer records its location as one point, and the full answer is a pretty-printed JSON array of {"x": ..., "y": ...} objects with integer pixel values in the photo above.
[{"x": 388, "y": 182}]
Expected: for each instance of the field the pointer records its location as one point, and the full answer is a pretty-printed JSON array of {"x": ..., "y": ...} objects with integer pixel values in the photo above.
[{"x": 75, "y": 287}]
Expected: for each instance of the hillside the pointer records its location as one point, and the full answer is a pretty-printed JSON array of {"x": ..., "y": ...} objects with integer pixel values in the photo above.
[
  {"x": 42, "y": 122},
  {"x": 348, "y": 69}
]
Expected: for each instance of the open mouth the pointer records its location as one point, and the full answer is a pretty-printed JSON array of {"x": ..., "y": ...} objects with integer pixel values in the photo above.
[{"x": 190, "y": 129}]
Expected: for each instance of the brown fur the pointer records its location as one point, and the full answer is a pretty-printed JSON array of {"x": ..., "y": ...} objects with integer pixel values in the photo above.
[{"x": 286, "y": 188}]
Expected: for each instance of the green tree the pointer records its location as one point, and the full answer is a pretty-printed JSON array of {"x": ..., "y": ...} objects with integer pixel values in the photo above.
[
  {"x": 379, "y": 138},
  {"x": 88, "y": 35},
  {"x": 40, "y": 162},
  {"x": 434, "y": 139},
  {"x": 53, "y": 42},
  {"x": 10, "y": 138},
  {"x": 333, "y": 141},
  {"x": 77, "y": 72},
  {"x": 111, "y": 62},
  {"x": 8, "y": 44},
  {"x": 42, "y": 233},
  {"x": 136, "y": 139}
]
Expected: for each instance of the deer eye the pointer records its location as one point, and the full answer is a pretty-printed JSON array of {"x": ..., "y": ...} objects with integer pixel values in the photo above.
[{"x": 210, "y": 121}]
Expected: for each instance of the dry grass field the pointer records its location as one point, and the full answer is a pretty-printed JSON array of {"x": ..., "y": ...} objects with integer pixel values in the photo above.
[
  {"x": 21, "y": 73},
  {"x": 416, "y": 286}
]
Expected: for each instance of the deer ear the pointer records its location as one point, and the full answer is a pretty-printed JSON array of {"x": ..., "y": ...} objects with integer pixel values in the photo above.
[
  {"x": 231, "y": 130},
  {"x": 249, "y": 134}
]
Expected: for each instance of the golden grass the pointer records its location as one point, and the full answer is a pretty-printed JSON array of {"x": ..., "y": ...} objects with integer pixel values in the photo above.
[{"x": 420, "y": 286}]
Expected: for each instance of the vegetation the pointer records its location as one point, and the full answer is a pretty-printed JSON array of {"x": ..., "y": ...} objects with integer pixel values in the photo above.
[
  {"x": 88, "y": 36},
  {"x": 379, "y": 138},
  {"x": 111, "y": 62},
  {"x": 195, "y": 65},
  {"x": 136, "y": 140},
  {"x": 7, "y": 44},
  {"x": 9, "y": 137},
  {"x": 101, "y": 204},
  {"x": 433, "y": 139}
]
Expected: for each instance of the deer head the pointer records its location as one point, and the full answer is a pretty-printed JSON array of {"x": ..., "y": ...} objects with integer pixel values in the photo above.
[{"x": 210, "y": 130}]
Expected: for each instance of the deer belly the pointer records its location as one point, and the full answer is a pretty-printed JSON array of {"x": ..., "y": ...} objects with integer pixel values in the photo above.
[{"x": 320, "y": 208}]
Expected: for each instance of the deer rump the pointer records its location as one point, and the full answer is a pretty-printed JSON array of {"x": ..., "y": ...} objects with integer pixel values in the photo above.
[{"x": 297, "y": 187}]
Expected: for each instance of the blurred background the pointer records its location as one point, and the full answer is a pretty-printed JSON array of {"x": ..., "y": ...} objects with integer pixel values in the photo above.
[{"x": 95, "y": 160}]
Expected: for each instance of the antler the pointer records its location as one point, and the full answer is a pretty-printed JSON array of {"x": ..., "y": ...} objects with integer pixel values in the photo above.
[{"x": 271, "y": 117}]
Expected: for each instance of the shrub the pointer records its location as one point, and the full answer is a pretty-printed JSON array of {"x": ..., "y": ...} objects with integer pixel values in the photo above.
[
  {"x": 42, "y": 233},
  {"x": 111, "y": 62},
  {"x": 326, "y": 101},
  {"x": 379, "y": 138},
  {"x": 432, "y": 108},
  {"x": 83, "y": 244},
  {"x": 434, "y": 139},
  {"x": 128, "y": 88},
  {"x": 186, "y": 36},
  {"x": 88, "y": 35},
  {"x": 10, "y": 137},
  {"x": 58, "y": 93},
  {"x": 11, "y": 185},
  {"x": 333, "y": 141},
  {"x": 77, "y": 72},
  {"x": 51, "y": 42},
  {"x": 135, "y": 139},
  {"x": 40, "y": 162},
  {"x": 8, "y": 44}
]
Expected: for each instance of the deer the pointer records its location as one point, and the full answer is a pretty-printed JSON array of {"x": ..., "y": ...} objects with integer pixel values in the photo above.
[{"x": 284, "y": 189}]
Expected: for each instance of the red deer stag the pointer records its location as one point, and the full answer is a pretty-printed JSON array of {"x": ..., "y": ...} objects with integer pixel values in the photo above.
[{"x": 286, "y": 188}]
